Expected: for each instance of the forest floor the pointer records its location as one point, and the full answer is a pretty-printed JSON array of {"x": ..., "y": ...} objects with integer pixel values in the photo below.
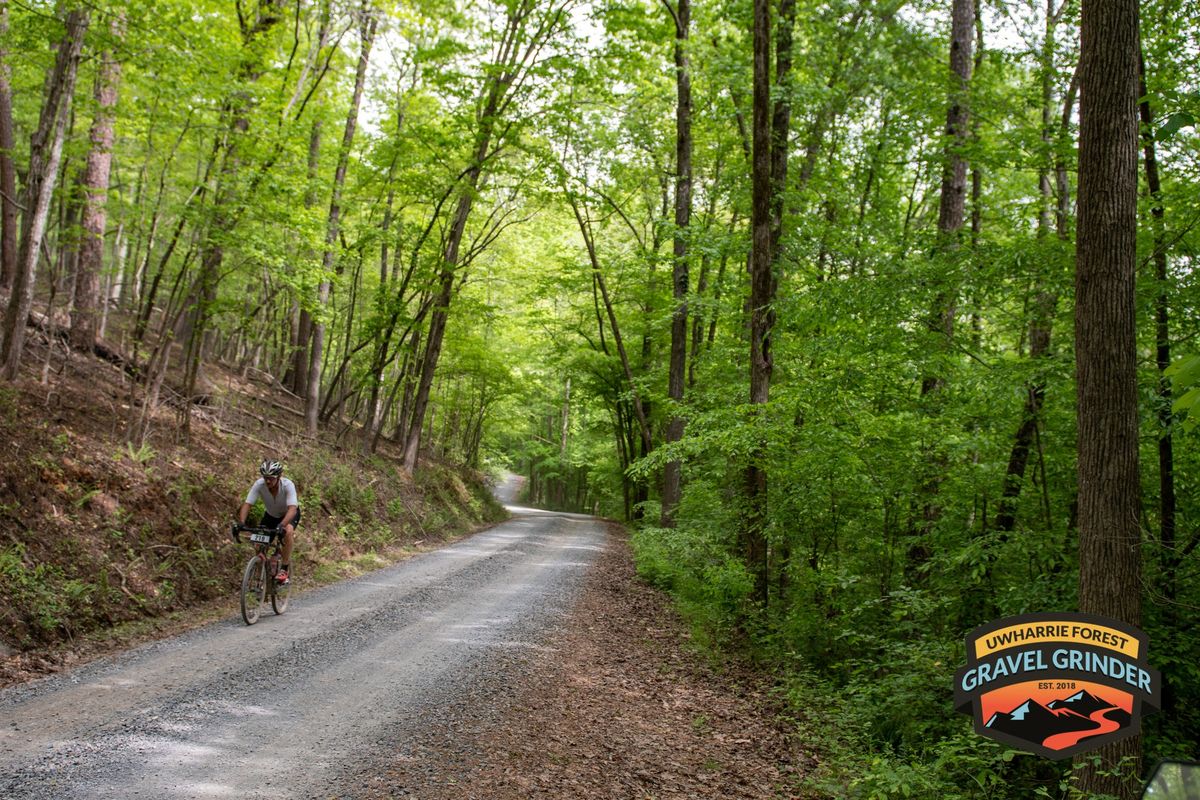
[{"x": 619, "y": 705}]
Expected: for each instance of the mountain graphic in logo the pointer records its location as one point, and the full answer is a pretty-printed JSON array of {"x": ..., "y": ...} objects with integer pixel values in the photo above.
[
  {"x": 1082, "y": 703},
  {"x": 1061, "y": 723}
]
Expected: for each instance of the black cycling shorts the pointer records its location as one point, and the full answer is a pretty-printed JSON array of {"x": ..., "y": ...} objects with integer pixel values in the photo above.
[{"x": 271, "y": 522}]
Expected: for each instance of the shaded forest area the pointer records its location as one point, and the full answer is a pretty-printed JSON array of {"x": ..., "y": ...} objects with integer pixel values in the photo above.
[{"x": 875, "y": 318}]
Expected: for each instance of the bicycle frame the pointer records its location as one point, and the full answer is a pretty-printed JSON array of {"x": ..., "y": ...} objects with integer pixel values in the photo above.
[{"x": 267, "y": 553}]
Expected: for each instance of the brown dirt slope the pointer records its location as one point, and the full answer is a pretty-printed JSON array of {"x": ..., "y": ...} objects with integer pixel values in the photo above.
[
  {"x": 103, "y": 543},
  {"x": 618, "y": 706}
]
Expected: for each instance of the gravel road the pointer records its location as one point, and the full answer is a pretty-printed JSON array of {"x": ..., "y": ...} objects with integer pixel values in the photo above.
[{"x": 304, "y": 704}]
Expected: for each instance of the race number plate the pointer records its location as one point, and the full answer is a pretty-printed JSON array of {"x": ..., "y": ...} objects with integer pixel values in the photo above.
[{"x": 260, "y": 537}]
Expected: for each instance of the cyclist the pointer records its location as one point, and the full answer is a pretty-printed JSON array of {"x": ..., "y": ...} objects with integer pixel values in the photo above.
[{"x": 281, "y": 509}]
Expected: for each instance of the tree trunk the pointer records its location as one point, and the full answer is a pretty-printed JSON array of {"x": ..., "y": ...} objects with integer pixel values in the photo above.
[
  {"x": 312, "y": 395},
  {"x": 951, "y": 216},
  {"x": 953, "y": 198},
  {"x": 1105, "y": 347},
  {"x": 780, "y": 130},
  {"x": 639, "y": 410},
  {"x": 45, "y": 155},
  {"x": 437, "y": 323},
  {"x": 8, "y": 174},
  {"x": 752, "y": 535},
  {"x": 303, "y": 331},
  {"x": 1162, "y": 340},
  {"x": 95, "y": 198},
  {"x": 769, "y": 133},
  {"x": 1171, "y": 558},
  {"x": 683, "y": 212}
]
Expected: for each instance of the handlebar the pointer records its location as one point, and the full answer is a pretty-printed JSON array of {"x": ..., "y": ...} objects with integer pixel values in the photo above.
[{"x": 237, "y": 527}]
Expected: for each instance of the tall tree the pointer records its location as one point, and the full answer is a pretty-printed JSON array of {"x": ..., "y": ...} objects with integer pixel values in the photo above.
[
  {"x": 368, "y": 24},
  {"x": 1162, "y": 342},
  {"x": 8, "y": 174},
  {"x": 84, "y": 320},
  {"x": 528, "y": 27},
  {"x": 1105, "y": 356},
  {"x": 762, "y": 294},
  {"x": 302, "y": 330},
  {"x": 770, "y": 128},
  {"x": 951, "y": 216},
  {"x": 1045, "y": 297},
  {"x": 229, "y": 144},
  {"x": 681, "y": 16},
  {"x": 44, "y": 156}
]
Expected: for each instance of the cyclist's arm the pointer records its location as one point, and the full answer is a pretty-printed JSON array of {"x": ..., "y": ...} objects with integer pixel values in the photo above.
[{"x": 248, "y": 503}]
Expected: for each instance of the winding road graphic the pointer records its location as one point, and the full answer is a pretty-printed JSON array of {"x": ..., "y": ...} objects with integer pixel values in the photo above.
[{"x": 1061, "y": 741}]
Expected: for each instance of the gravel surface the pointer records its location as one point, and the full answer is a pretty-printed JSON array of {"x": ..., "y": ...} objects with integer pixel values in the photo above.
[
  {"x": 621, "y": 707},
  {"x": 309, "y": 704}
]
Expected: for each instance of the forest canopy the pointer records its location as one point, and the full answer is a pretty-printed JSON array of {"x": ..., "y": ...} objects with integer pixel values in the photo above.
[{"x": 811, "y": 294}]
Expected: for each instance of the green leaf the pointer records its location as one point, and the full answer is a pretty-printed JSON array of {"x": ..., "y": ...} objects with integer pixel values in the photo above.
[
  {"x": 1188, "y": 401},
  {"x": 1178, "y": 120},
  {"x": 1185, "y": 372}
]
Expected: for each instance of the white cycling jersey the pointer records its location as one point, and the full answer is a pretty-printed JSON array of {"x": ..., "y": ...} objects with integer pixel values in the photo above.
[{"x": 275, "y": 504}]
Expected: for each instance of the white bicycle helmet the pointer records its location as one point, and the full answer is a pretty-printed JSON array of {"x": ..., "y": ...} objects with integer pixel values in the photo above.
[{"x": 270, "y": 469}]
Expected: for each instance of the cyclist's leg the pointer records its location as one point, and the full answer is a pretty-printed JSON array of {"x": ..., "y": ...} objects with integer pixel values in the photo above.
[{"x": 289, "y": 535}]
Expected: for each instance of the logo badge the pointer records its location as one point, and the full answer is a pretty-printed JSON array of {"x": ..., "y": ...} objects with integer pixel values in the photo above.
[{"x": 1057, "y": 684}]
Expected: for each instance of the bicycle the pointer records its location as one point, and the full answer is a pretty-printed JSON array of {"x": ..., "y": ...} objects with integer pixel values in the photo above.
[{"x": 258, "y": 578}]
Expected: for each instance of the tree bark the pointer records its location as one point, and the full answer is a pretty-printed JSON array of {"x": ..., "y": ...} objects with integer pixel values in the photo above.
[
  {"x": 672, "y": 476},
  {"x": 45, "y": 155},
  {"x": 1105, "y": 354},
  {"x": 84, "y": 322}
]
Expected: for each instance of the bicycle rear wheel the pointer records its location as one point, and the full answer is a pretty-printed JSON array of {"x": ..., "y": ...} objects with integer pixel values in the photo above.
[
  {"x": 279, "y": 597},
  {"x": 254, "y": 589}
]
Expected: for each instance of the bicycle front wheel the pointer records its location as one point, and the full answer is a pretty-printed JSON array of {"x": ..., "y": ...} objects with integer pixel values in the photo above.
[
  {"x": 254, "y": 589},
  {"x": 279, "y": 597}
]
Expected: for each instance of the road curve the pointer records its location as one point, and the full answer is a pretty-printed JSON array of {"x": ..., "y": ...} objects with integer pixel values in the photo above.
[{"x": 301, "y": 705}]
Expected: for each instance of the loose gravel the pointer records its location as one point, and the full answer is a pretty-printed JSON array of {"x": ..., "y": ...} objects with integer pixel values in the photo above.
[{"x": 308, "y": 704}]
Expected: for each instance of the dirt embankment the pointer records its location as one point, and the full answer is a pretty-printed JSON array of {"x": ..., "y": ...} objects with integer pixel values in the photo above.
[{"x": 103, "y": 543}]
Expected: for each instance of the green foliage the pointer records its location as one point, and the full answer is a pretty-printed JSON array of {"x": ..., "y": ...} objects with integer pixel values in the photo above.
[
  {"x": 43, "y": 597},
  {"x": 140, "y": 455},
  {"x": 853, "y": 764},
  {"x": 884, "y": 496},
  {"x": 346, "y": 491},
  {"x": 1185, "y": 377}
]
